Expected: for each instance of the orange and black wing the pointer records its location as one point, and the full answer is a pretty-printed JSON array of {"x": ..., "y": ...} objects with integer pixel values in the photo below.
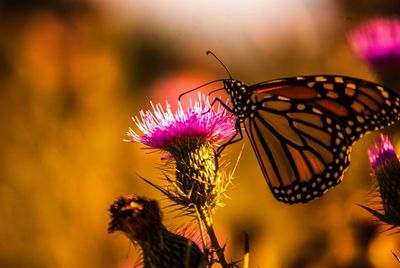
[
  {"x": 302, "y": 129},
  {"x": 360, "y": 106},
  {"x": 302, "y": 151}
]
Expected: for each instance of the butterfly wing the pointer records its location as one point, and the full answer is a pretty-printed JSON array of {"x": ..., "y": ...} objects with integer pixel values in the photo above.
[
  {"x": 302, "y": 129},
  {"x": 359, "y": 105},
  {"x": 302, "y": 151}
]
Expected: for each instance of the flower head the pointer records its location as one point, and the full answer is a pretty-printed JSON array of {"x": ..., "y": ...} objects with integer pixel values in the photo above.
[
  {"x": 135, "y": 216},
  {"x": 382, "y": 153},
  {"x": 166, "y": 130},
  {"x": 190, "y": 137},
  {"x": 386, "y": 169},
  {"x": 377, "y": 39},
  {"x": 193, "y": 175}
]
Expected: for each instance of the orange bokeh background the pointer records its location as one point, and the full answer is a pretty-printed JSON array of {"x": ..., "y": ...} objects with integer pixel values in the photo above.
[{"x": 73, "y": 73}]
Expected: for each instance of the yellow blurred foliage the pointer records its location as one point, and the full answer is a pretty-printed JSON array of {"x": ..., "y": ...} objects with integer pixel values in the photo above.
[{"x": 70, "y": 81}]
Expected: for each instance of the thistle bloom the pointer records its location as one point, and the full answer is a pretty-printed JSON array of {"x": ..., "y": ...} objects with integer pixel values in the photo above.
[
  {"x": 170, "y": 131},
  {"x": 382, "y": 154},
  {"x": 377, "y": 41},
  {"x": 190, "y": 136},
  {"x": 386, "y": 169},
  {"x": 140, "y": 220}
]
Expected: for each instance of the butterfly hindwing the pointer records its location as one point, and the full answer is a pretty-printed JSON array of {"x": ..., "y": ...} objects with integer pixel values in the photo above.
[{"x": 302, "y": 151}]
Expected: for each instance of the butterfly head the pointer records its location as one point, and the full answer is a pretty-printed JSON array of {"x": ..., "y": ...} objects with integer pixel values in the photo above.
[{"x": 240, "y": 95}]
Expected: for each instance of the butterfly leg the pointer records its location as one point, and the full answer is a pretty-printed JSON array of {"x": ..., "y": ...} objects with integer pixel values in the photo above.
[
  {"x": 229, "y": 109},
  {"x": 238, "y": 135},
  {"x": 235, "y": 138}
]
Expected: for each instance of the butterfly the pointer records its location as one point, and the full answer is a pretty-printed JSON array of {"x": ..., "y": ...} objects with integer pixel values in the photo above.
[{"x": 302, "y": 128}]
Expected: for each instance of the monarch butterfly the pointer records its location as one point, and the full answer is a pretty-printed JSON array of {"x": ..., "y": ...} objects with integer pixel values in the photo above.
[{"x": 302, "y": 128}]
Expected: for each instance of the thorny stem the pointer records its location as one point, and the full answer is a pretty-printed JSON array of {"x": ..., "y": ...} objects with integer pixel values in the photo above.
[
  {"x": 214, "y": 241},
  {"x": 203, "y": 239}
]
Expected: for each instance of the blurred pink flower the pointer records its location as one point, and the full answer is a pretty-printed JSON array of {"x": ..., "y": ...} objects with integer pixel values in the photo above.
[
  {"x": 164, "y": 129},
  {"x": 377, "y": 39}
]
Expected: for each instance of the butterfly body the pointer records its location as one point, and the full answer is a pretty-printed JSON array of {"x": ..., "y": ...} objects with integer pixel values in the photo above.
[
  {"x": 241, "y": 98},
  {"x": 302, "y": 128}
]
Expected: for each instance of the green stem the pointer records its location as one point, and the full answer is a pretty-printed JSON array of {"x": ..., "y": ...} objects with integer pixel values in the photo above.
[{"x": 214, "y": 241}]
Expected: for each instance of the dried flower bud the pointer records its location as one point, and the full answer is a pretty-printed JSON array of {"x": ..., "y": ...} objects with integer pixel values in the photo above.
[{"x": 140, "y": 220}]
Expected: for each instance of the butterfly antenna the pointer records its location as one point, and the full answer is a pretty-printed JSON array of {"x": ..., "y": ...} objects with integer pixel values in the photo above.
[
  {"x": 196, "y": 88},
  {"x": 223, "y": 65}
]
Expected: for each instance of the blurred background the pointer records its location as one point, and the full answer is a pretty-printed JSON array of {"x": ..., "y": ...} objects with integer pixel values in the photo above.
[{"x": 72, "y": 73}]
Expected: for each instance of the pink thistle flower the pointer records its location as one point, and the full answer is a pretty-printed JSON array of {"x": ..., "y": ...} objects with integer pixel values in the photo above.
[
  {"x": 377, "y": 39},
  {"x": 386, "y": 169},
  {"x": 382, "y": 153},
  {"x": 164, "y": 129},
  {"x": 189, "y": 136},
  {"x": 377, "y": 42},
  {"x": 197, "y": 182}
]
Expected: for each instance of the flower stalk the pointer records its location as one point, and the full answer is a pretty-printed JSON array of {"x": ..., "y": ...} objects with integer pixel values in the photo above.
[{"x": 219, "y": 251}]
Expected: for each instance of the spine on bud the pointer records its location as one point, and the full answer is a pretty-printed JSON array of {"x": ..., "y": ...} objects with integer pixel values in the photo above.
[{"x": 198, "y": 176}]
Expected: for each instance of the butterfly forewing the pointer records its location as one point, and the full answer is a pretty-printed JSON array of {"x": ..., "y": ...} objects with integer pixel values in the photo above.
[
  {"x": 301, "y": 150},
  {"x": 360, "y": 106}
]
